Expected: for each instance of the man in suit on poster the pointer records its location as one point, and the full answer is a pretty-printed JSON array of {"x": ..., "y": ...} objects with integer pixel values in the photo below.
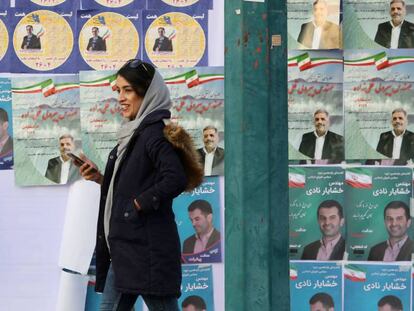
[
  {"x": 321, "y": 302},
  {"x": 396, "y": 33},
  {"x": 399, "y": 246},
  {"x": 332, "y": 245},
  {"x": 320, "y": 33},
  {"x": 206, "y": 236},
  {"x": 211, "y": 155},
  {"x": 96, "y": 43},
  {"x": 30, "y": 41},
  {"x": 390, "y": 303},
  {"x": 193, "y": 303},
  {"x": 162, "y": 43},
  {"x": 397, "y": 144},
  {"x": 61, "y": 170},
  {"x": 322, "y": 143},
  {"x": 6, "y": 141}
]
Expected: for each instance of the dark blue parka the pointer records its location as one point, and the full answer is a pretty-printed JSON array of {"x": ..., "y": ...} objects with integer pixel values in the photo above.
[{"x": 144, "y": 245}]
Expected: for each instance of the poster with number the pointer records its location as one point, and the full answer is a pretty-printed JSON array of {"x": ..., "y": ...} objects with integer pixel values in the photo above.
[
  {"x": 6, "y": 125},
  {"x": 113, "y": 5},
  {"x": 43, "y": 40},
  {"x": 177, "y": 5},
  {"x": 368, "y": 191},
  {"x": 46, "y": 123},
  {"x": 49, "y": 4},
  {"x": 5, "y": 40},
  {"x": 107, "y": 40},
  {"x": 176, "y": 39}
]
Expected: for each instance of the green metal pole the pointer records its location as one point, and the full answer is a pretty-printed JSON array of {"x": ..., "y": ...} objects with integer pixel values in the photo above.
[{"x": 256, "y": 157}]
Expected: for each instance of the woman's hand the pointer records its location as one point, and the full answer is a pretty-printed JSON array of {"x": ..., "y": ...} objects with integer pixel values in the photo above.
[{"x": 89, "y": 170}]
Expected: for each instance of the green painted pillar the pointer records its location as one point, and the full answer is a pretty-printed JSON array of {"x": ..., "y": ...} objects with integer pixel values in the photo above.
[{"x": 256, "y": 201}]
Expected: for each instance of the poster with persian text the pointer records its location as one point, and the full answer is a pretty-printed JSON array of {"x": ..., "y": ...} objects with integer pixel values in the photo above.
[
  {"x": 198, "y": 215},
  {"x": 367, "y": 24},
  {"x": 368, "y": 190},
  {"x": 49, "y": 4},
  {"x": 377, "y": 285},
  {"x": 197, "y": 287},
  {"x": 197, "y": 95},
  {"x": 176, "y": 5},
  {"x": 6, "y": 125},
  {"x": 315, "y": 88},
  {"x": 302, "y": 17},
  {"x": 376, "y": 84},
  {"x": 113, "y": 5},
  {"x": 46, "y": 125},
  {"x": 314, "y": 281},
  {"x": 100, "y": 114},
  {"x": 5, "y": 45},
  {"x": 176, "y": 39},
  {"x": 309, "y": 187},
  {"x": 107, "y": 40},
  {"x": 43, "y": 40}
]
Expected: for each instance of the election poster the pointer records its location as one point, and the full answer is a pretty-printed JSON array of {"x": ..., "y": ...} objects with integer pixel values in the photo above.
[
  {"x": 378, "y": 286},
  {"x": 43, "y": 40},
  {"x": 375, "y": 196},
  {"x": 6, "y": 125},
  {"x": 198, "y": 217},
  {"x": 197, "y": 288},
  {"x": 313, "y": 284},
  {"x": 113, "y": 5},
  {"x": 107, "y": 40},
  {"x": 315, "y": 106},
  {"x": 5, "y": 46},
  {"x": 197, "y": 95},
  {"x": 49, "y": 4},
  {"x": 100, "y": 114},
  {"x": 378, "y": 92},
  {"x": 368, "y": 24},
  {"x": 46, "y": 126},
  {"x": 4, "y": 5},
  {"x": 312, "y": 187},
  {"x": 176, "y": 39},
  {"x": 314, "y": 25},
  {"x": 176, "y": 5}
]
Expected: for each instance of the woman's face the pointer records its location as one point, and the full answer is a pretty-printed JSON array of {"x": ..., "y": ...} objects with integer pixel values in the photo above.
[{"x": 128, "y": 99}]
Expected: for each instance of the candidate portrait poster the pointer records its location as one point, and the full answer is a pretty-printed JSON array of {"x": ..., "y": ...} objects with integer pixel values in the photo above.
[
  {"x": 371, "y": 284},
  {"x": 376, "y": 83},
  {"x": 368, "y": 190},
  {"x": 315, "y": 281},
  {"x": 204, "y": 217},
  {"x": 107, "y": 40},
  {"x": 176, "y": 5},
  {"x": 176, "y": 39},
  {"x": 302, "y": 17},
  {"x": 6, "y": 125},
  {"x": 197, "y": 95},
  {"x": 100, "y": 114},
  {"x": 197, "y": 287},
  {"x": 315, "y": 90},
  {"x": 49, "y": 4},
  {"x": 43, "y": 40},
  {"x": 308, "y": 188},
  {"x": 113, "y": 5},
  {"x": 5, "y": 45},
  {"x": 46, "y": 125},
  {"x": 367, "y": 24}
]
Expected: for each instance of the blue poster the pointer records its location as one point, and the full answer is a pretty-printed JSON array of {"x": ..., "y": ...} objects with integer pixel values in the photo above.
[
  {"x": 113, "y": 5},
  {"x": 6, "y": 125},
  {"x": 43, "y": 40},
  {"x": 198, "y": 219},
  {"x": 5, "y": 40},
  {"x": 177, "y": 5},
  {"x": 106, "y": 40},
  {"x": 377, "y": 285},
  {"x": 197, "y": 288},
  {"x": 49, "y": 4},
  {"x": 315, "y": 285},
  {"x": 176, "y": 39},
  {"x": 46, "y": 122},
  {"x": 5, "y": 4}
]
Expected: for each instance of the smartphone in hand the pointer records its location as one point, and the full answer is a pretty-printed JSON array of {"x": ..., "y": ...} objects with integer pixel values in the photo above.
[{"x": 78, "y": 161}]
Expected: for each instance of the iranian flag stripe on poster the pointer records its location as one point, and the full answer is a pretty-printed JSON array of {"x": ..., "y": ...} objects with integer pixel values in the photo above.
[
  {"x": 304, "y": 61},
  {"x": 297, "y": 177},
  {"x": 354, "y": 273},
  {"x": 381, "y": 60},
  {"x": 293, "y": 273},
  {"x": 191, "y": 78},
  {"x": 106, "y": 81},
  {"x": 65, "y": 86},
  {"x": 358, "y": 178}
]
